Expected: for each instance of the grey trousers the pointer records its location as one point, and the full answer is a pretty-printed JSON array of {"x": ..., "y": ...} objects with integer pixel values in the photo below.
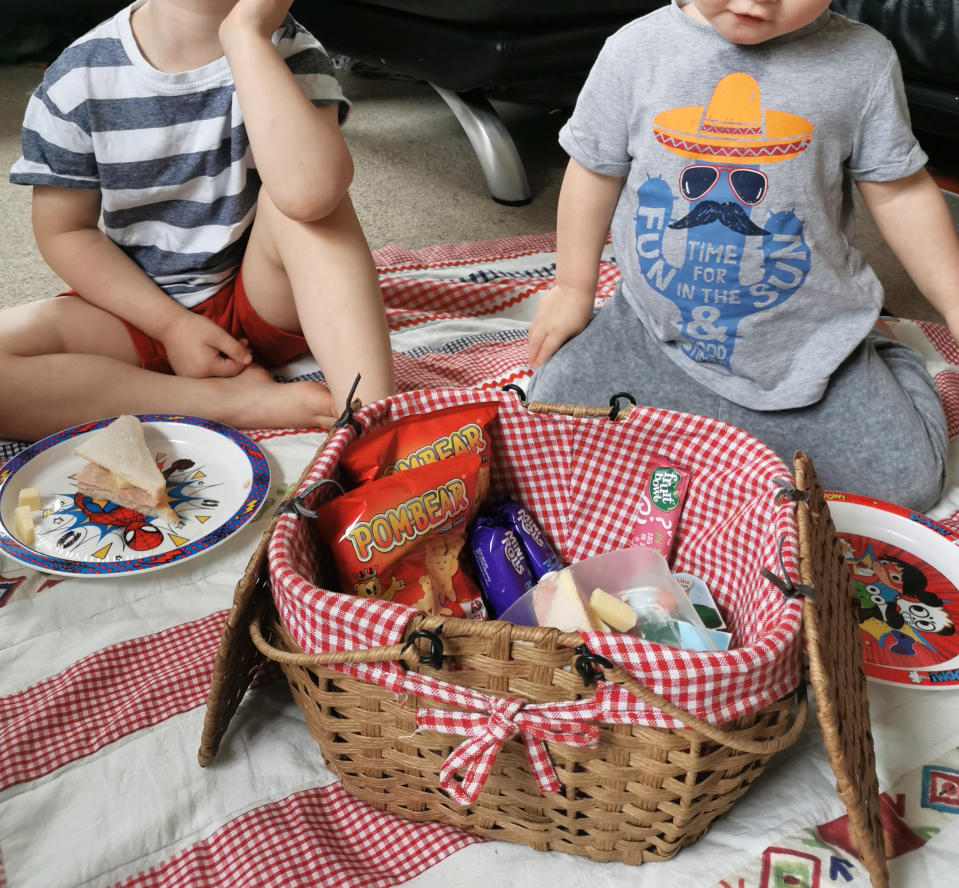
[{"x": 879, "y": 430}]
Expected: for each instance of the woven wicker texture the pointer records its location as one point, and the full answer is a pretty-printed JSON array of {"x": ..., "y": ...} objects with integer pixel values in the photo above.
[
  {"x": 237, "y": 659},
  {"x": 836, "y": 672},
  {"x": 642, "y": 794}
]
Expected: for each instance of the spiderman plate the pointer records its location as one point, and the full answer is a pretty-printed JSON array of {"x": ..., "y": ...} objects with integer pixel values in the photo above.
[{"x": 217, "y": 480}]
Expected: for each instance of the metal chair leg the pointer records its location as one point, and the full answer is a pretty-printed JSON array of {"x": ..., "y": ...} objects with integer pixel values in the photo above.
[{"x": 492, "y": 144}]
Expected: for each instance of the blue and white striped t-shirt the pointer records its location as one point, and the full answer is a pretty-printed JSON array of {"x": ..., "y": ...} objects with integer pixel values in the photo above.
[{"x": 169, "y": 152}]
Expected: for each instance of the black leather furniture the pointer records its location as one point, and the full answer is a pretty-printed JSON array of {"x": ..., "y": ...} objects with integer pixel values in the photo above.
[
  {"x": 469, "y": 50},
  {"x": 926, "y": 36}
]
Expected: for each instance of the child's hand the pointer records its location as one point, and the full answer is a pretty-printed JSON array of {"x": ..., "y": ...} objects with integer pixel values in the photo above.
[
  {"x": 260, "y": 16},
  {"x": 560, "y": 315},
  {"x": 197, "y": 347}
]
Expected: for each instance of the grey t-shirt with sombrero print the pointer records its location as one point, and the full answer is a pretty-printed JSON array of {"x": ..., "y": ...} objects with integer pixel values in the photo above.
[{"x": 733, "y": 232}]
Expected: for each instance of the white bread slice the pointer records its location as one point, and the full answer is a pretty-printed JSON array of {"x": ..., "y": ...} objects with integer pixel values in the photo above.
[
  {"x": 122, "y": 470},
  {"x": 557, "y": 603},
  {"x": 121, "y": 449},
  {"x": 23, "y": 525}
]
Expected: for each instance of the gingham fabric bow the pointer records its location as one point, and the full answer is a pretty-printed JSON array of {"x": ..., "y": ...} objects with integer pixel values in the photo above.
[{"x": 498, "y": 719}]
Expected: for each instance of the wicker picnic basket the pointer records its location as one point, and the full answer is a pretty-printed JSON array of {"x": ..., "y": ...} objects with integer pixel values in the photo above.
[{"x": 654, "y": 774}]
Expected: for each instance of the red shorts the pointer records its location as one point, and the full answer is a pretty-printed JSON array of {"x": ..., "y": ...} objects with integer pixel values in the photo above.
[{"x": 230, "y": 309}]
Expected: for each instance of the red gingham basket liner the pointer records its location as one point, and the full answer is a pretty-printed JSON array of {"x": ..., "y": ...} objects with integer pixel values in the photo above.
[{"x": 580, "y": 478}]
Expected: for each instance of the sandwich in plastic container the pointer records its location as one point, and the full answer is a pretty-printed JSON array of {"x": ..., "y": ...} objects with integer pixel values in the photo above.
[{"x": 629, "y": 590}]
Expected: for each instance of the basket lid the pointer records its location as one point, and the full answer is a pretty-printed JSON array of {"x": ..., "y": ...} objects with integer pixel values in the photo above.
[
  {"x": 836, "y": 673},
  {"x": 237, "y": 658}
]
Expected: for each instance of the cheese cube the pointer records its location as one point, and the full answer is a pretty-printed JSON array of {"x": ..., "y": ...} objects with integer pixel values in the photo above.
[
  {"x": 23, "y": 525},
  {"x": 30, "y": 496},
  {"x": 611, "y": 610},
  {"x": 598, "y": 624}
]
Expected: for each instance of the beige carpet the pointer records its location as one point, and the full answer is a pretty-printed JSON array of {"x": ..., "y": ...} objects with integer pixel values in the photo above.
[{"x": 417, "y": 183}]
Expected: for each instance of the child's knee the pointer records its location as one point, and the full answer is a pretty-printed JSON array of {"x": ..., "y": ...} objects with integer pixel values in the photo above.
[
  {"x": 31, "y": 328},
  {"x": 559, "y": 380},
  {"x": 917, "y": 490},
  {"x": 925, "y": 466},
  {"x": 930, "y": 492},
  {"x": 914, "y": 478}
]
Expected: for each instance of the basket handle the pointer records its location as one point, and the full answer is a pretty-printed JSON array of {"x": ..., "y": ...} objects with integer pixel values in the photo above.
[
  {"x": 404, "y": 651},
  {"x": 581, "y": 411},
  {"x": 719, "y": 735}
]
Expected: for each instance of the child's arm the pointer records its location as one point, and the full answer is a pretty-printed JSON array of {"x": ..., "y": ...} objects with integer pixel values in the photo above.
[
  {"x": 914, "y": 220},
  {"x": 586, "y": 204},
  {"x": 300, "y": 154},
  {"x": 65, "y": 227}
]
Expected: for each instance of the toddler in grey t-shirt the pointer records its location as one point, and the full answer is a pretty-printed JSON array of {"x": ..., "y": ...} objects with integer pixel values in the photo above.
[{"x": 719, "y": 146}]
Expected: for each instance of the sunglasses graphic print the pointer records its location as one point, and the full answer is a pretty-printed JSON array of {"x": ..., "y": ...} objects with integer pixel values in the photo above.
[
  {"x": 712, "y": 210},
  {"x": 749, "y": 186}
]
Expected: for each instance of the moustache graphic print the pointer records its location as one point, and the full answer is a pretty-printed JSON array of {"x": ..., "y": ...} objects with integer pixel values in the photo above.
[{"x": 730, "y": 214}]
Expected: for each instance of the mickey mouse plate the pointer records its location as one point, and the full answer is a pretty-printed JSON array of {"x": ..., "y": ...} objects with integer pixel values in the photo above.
[
  {"x": 217, "y": 480},
  {"x": 905, "y": 568}
]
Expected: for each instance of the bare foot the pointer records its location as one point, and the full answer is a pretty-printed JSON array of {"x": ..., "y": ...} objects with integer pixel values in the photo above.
[{"x": 255, "y": 400}]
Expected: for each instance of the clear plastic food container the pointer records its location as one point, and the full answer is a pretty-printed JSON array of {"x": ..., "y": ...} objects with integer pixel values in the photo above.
[{"x": 638, "y": 576}]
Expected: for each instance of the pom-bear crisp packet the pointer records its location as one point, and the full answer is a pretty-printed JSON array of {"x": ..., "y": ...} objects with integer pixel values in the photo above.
[
  {"x": 418, "y": 440},
  {"x": 399, "y": 538}
]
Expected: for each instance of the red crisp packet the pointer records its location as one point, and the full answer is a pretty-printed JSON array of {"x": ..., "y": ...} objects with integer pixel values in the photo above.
[
  {"x": 660, "y": 505},
  {"x": 399, "y": 538},
  {"x": 418, "y": 440}
]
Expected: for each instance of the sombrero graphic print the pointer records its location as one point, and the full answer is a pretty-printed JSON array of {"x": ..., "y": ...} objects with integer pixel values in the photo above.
[{"x": 734, "y": 125}]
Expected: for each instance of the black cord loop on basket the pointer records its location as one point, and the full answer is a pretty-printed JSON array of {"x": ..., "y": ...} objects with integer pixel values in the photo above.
[
  {"x": 296, "y": 503},
  {"x": 614, "y": 407},
  {"x": 435, "y": 657},
  {"x": 784, "y": 584},
  {"x": 788, "y": 491},
  {"x": 263, "y": 581},
  {"x": 588, "y": 664},
  {"x": 346, "y": 417},
  {"x": 512, "y": 387}
]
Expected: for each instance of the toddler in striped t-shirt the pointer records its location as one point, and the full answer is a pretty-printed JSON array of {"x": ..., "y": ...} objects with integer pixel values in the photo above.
[{"x": 190, "y": 184}]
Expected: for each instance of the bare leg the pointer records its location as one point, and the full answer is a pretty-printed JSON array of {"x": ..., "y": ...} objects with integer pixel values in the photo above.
[
  {"x": 64, "y": 361},
  {"x": 319, "y": 277}
]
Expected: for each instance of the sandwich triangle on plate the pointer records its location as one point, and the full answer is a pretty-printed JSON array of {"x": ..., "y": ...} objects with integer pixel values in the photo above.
[{"x": 121, "y": 469}]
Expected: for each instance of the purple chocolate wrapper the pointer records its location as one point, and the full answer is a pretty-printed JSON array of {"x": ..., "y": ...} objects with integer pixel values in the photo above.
[
  {"x": 501, "y": 566},
  {"x": 540, "y": 554}
]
